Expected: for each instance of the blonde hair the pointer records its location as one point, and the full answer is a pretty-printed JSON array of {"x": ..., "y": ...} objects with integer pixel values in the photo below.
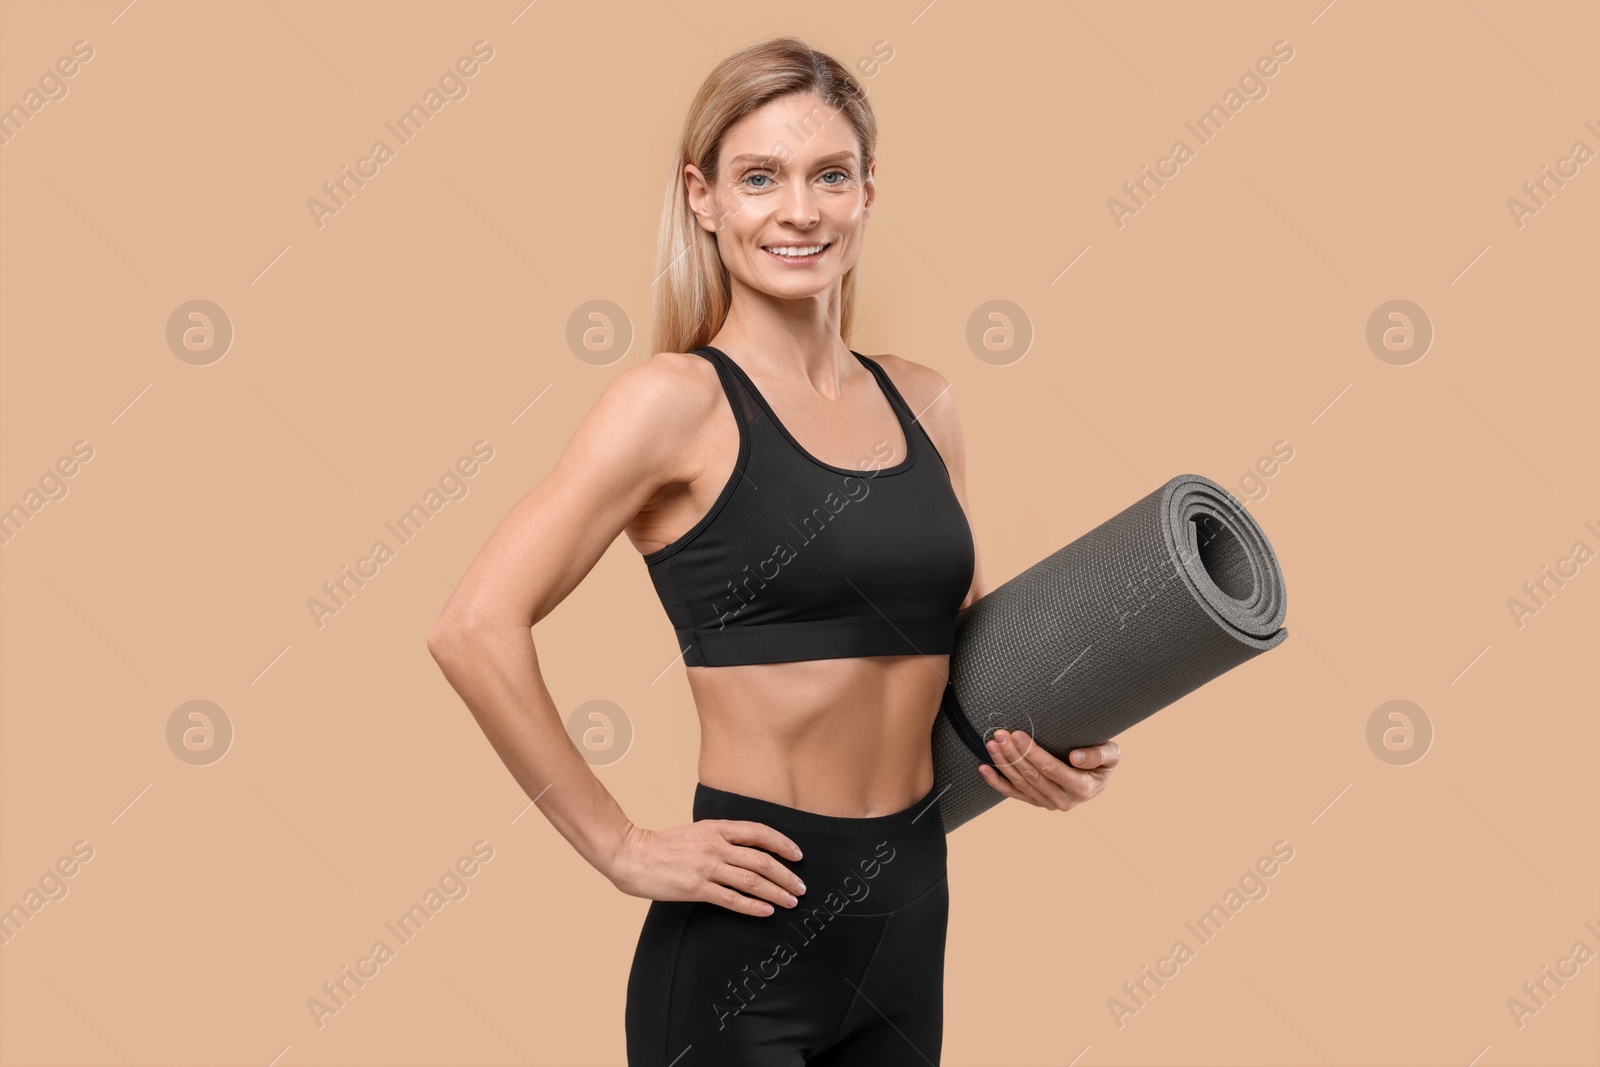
[{"x": 694, "y": 293}]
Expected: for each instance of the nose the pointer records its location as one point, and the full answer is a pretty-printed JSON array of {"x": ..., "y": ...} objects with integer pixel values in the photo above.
[{"x": 800, "y": 207}]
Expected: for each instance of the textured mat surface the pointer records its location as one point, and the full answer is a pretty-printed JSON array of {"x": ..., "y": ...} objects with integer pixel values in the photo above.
[{"x": 1146, "y": 607}]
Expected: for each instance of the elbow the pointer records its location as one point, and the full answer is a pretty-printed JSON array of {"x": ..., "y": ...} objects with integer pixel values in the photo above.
[
  {"x": 461, "y": 636},
  {"x": 446, "y": 637}
]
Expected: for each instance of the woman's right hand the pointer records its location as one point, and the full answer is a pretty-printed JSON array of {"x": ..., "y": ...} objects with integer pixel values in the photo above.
[{"x": 709, "y": 860}]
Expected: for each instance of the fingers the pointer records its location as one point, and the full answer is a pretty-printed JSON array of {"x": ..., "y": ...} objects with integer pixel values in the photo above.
[
  {"x": 749, "y": 880},
  {"x": 733, "y": 900},
  {"x": 765, "y": 864},
  {"x": 1085, "y": 781},
  {"x": 754, "y": 889},
  {"x": 1019, "y": 764},
  {"x": 1106, "y": 755},
  {"x": 1039, "y": 776},
  {"x": 744, "y": 832}
]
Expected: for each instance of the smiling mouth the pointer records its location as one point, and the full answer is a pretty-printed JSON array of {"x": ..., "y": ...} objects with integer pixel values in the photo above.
[{"x": 798, "y": 254}]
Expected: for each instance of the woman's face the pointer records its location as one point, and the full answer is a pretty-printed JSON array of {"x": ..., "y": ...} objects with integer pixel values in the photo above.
[{"x": 789, "y": 178}]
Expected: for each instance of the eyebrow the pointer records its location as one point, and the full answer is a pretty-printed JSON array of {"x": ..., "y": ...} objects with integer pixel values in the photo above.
[{"x": 848, "y": 154}]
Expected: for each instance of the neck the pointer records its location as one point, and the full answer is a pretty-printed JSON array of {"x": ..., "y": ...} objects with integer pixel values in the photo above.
[{"x": 788, "y": 339}]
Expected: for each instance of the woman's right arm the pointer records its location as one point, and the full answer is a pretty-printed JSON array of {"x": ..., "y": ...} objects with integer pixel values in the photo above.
[{"x": 642, "y": 433}]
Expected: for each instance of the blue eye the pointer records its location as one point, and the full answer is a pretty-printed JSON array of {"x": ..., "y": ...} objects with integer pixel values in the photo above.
[{"x": 844, "y": 176}]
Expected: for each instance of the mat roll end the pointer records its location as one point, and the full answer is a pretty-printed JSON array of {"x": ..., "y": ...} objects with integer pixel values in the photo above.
[{"x": 1175, "y": 590}]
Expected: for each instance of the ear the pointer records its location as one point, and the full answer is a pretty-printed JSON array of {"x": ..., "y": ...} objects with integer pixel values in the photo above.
[{"x": 698, "y": 191}]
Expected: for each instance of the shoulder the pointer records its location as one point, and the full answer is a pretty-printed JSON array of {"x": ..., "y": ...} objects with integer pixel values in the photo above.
[
  {"x": 666, "y": 387},
  {"x": 666, "y": 369},
  {"x": 660, "y": 406}
]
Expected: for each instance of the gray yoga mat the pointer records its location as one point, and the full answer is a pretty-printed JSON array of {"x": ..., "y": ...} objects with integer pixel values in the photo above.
[{"x": 1148, "y": 606}]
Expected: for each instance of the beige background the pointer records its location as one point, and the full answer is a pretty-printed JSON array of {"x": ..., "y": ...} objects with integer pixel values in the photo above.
[{"x": 1228, "y": 314}]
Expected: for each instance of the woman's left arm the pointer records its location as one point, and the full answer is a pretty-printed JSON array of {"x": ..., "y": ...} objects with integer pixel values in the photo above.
[{"x": 1026, "y": 771}]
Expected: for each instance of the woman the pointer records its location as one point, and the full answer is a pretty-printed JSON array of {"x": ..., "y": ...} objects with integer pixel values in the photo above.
[{"x": 801, "y": 512}]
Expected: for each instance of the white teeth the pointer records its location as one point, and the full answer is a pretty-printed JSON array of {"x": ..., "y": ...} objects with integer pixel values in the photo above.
[{"x": 811, "y": 251}]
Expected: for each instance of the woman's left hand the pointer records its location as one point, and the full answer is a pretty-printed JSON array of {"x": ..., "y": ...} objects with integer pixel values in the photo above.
[{"x": 1028, "y": 773}]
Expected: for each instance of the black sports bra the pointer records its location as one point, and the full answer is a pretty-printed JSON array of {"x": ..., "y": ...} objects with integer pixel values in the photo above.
[{"x": 798, "y": 559}]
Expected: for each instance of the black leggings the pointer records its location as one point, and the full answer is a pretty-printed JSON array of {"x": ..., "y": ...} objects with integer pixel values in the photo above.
[{"x": 853, "y": 974}]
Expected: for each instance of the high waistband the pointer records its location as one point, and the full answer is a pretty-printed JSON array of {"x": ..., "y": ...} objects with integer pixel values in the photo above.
[{"x": 869, "y": 865}]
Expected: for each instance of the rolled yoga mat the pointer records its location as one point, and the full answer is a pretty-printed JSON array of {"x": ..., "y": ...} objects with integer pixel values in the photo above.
[{"x": 1143, "y": 609}]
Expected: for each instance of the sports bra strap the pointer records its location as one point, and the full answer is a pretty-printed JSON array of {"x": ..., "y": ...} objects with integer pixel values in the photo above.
[
  {"x": 746, "y": 408},
  {"x": 895, "y": 399}
]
